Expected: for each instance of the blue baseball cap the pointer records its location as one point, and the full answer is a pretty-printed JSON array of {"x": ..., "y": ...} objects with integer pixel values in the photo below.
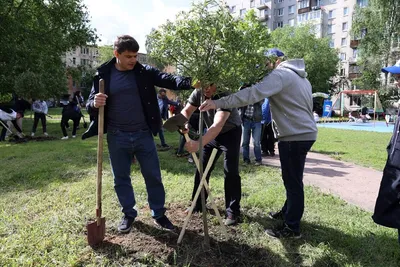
[
  {"x": 274, "y": 52},
  {"x": 395, "y": 69}
]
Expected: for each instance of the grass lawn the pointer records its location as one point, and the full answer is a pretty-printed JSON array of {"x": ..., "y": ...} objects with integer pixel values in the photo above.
[
  {"x": 47, "y": 194},
  {"x": 360, "y": 147}
]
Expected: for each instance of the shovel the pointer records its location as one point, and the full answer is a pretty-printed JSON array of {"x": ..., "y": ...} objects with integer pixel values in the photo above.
[{"x": 96, "y": 230}]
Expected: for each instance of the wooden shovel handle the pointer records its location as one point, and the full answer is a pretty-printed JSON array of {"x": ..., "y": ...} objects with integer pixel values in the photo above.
[{"x": 100, "y": 155}]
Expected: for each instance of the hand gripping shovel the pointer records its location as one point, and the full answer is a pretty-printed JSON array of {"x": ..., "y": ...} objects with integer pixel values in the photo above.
[{"x": 96, "y": 230}]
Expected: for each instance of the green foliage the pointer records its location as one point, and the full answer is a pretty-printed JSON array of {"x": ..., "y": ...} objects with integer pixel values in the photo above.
[
  {"x": 209, "y": 44},
  {"x": 377, "y": 26},
  {"x": 34, "y": 36},
  {"x": 4, "y": 98},
  {"x": 106, "y": 53},
  {"x": 321, "y": 60}
]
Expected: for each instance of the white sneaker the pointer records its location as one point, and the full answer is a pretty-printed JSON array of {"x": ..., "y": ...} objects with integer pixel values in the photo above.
[
  {"x": 46, "y": 134},
  {"x": 73, "y": 136},
  {"x": 64, "y": 138},
  {"x": 32, "y": 134}
]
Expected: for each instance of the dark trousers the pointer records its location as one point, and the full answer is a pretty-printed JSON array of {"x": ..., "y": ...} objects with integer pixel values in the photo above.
[
  {"x": 64, "y": 123},
  {"x": 36, "y": 118},
  {"x": 122, "y": 146},
  {"x": 268, "y": 139},
  {"x": 229, "y": 143},
  {"x": 292, "y": 155}
]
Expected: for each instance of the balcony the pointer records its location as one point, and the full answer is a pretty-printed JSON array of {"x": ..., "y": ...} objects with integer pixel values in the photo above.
[
  {"x": 354, "y": 43},
  {"x": 263, "y": 18},
  {"x": 262, "y": 6},
  {"x": 352, "y": 60},
  {"x": 303, "y": 10}
]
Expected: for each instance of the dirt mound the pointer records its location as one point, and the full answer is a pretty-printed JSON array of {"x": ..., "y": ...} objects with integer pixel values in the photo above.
[{"x": 148, "y": 244}]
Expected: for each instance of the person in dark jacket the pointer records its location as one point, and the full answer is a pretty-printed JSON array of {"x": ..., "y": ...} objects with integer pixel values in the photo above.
[
  {"x": 267, "y": 137},
  {"x": 132, "y": 115},
  {"x": 70, "y": 112},
  {"x": 20, "y": 105},
  {"x": 163, "y": 103},
  {"x": 387, "y": 207}
]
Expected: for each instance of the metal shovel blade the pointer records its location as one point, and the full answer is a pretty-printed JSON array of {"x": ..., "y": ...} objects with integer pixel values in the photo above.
[{"x": 96, "y": 232}]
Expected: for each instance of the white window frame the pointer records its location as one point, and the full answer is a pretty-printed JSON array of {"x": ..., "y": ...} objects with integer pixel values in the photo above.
[
  {"x": 280, "y": 12},
  {"x": 242, "y": 12},
  {"x": 291, "y": 24},
  {"x": 293, "y": 9},
  {"x": 252, "y": 3},
  {"x": 303, "y": 4},
  {"x": 333, "y": 14},
  {"x": 343, "y": 41},
  {"x": 345, "y": 11},
  {"x": 345, "y": 29}
]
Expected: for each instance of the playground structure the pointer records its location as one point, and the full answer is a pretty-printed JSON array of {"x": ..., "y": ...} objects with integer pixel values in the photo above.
[{"x": 351, "y": 102}]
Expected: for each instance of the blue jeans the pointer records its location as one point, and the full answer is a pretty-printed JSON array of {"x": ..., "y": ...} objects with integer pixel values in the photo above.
[
  {"x": 122, "y": 146},
  {"x": 292, "y": 155},
  {"x": 254, "y": 129}
]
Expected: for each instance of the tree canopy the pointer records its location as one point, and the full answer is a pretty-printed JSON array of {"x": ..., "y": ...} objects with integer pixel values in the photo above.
[
  {"x": 207, "y": 43},
  {"x": 34, "y": 37},
  {"x": 301, "y": 42},
  {"x": 377, "y": 28}
]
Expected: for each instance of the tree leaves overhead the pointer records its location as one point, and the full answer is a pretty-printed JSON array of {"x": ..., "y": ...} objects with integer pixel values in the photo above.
[
  {"x": 377, "y": 26},
  {"x": 321, "y": 60},
  {"x": 207, "y": 43},
  {"x": 34, "y": 36}
]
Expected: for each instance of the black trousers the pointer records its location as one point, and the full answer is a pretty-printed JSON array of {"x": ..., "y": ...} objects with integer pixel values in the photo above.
[
  {"x": 268, "y": 139},
  {"x": 64, "y": 123},
  {"x": 4, "y": 130},
  {"x": 36, "y": 118},
  {"x": 229, "y": 143},
  {"x": 293, "y": 155}
]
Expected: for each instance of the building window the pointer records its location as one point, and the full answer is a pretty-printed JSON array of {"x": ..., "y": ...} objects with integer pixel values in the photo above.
[
  {"x": 330, "y": 28},
  {"x": 345, "y": 11},
  {"x": 279, "y": 12},
  {"x": 342, "y": 56},
  {"x": 291, "y": 22},
  {"x": 262, "y": 2},
  {"x": 304, "y": 4},
  {"x": 318, "y": 3},
  {"x": 332, "y": 43},
  {"x": 252, "y": 2},
  {"x": 342, "y": 72},
  {"x": 344, "y": 41},
  {"x": 331, "y": 14},
  {"x": 291, "y": 9},
  {"x": 279, "y": 24},
  {"x": 362, "y": 3},
  {"x": 355, "y": 53},
  {"x": 242, "y": 12},
  {"x": 345, "y": 26},
  {"x": 280, "y": 1},
  {"x": 73, "y": 60},
  {"x": 264, "y": 13},
  {"x": 233, "y": 9}
]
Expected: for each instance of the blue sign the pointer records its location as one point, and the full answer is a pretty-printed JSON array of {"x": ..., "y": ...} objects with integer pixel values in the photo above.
[{"x": 327, "y": 108}]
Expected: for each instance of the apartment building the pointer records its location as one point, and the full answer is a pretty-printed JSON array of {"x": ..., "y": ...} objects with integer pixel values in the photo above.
[
  {"x": 332, "y": 19},
  {"x": 82, "y": 56}
]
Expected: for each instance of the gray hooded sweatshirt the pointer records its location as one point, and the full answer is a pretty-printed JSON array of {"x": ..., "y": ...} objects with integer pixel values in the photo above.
[{"x": 290, "y": 96}]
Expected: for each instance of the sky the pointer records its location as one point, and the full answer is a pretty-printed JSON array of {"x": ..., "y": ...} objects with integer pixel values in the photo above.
[{"x": 134, "y": 17}]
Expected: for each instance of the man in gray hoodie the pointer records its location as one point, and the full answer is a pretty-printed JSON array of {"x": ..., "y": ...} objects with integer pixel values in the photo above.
[{"x": 290, "y": 95}]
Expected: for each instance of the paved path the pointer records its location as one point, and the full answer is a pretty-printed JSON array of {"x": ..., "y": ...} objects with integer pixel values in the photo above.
[{"x": 354, "y": 184}]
